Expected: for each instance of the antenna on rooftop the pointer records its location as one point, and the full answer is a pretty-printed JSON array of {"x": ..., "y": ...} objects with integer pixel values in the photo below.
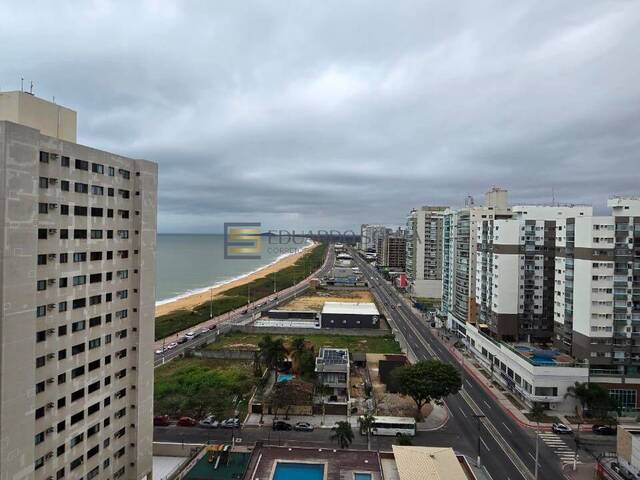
[
  {"x": 31, "y": 88},
  {"x": 553, "y": 195},
  {"x": 22, "y": 84}
]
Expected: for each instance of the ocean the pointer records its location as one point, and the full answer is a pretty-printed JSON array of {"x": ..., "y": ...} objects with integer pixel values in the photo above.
[{"x": 188, "y": 264}]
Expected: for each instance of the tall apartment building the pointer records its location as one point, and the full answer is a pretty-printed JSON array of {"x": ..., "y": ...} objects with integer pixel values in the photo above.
[
  {"x": 459, "y": 247},
  {"x": 597, "y": 292},
  {"x": 424, "y": 251},
  {"x": 392, "y": 250},
  {"x": 77, "y": 280},
  {"x": 515, "y": 271},
  {"x": 369, "y": 235}
]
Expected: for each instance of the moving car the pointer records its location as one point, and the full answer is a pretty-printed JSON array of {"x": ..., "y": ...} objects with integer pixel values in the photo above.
[
  {"x": 161, "y": 421},
  {"x": 183, "y": 340},
  {"x": 561, "y": 428},
  {"x": 186, "y": 422},
  {"x": 281, "y": 425},
  {"x": 303, "y": 427},
  {"x": 209, "y": 422},
  {"x": 603, "y": 430},
  {"x": 160, "y": 351},
  {"x": 230, "y": 423},
  {"x": 172, "y": 345},
  {"x": 190, "y": 335}
]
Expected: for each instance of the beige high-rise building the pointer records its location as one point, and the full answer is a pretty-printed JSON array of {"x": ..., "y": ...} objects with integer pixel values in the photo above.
[{"x": 77, "y": 287}]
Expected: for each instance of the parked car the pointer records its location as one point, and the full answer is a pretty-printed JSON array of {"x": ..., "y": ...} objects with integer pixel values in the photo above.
[
  {"x": 623, "y": 472},
  {"x": 561, "y": 428},
  {"x": 160, "y": 351},
  {"x": 603, "y": 430},
  {"x": 172, "y": 345},
  {"x": 303, "y": 427},
  {"x": 161, "y": 421},
  {"x": 281, "y": 425},
  {"x": 210, "y": 422},
  {"x": 230, "y": 423},
  {"x": 190, "y": 335},
  {"x": 186, "y": 422}
]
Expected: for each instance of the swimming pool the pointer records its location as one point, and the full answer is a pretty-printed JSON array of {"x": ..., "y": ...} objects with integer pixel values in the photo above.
[
  {"x": 299, "y": 471},
  {"x": 285, "y": 377}
]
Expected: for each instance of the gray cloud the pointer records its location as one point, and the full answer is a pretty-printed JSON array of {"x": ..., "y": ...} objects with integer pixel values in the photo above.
[{"x": 329, "y": 114}]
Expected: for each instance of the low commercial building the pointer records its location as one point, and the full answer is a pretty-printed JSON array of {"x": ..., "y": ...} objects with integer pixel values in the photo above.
[
  {"x": 424, "y": 463},
  {"x": 533, "y": 375},
  {"x": 628, "y": 448},
  {"x": 349, "y": 315}
]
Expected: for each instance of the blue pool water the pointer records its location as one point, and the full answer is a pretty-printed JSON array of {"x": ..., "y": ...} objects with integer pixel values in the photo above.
[
  {"x": 285, "y": 377},
  {"x": 543, "y": 360},
  {"x": 362, "y": 476},
  {"x": 299, "y": 471}
]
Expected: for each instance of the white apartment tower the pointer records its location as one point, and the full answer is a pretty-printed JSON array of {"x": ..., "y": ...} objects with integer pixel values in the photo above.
[
  {"x": 424, "y": 251},
  {"x": 597, "y": 292},
  {"x": 515, "y": 271},
  {"x": 459, "y": 256},
  {"x": 77, "y": 281}
]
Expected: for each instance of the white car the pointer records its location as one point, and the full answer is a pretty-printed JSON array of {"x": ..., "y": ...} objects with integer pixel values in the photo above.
[
  {"x": 561, "y": 428},
  {"x": 210, "y": 422},
  {"x": 159, "y": 351},
  {"x": 172, "y": 345},
  {"x": 190, "y": 335}
]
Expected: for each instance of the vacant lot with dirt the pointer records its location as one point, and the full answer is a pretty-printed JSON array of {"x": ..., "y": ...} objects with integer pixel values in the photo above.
[{"x": 315, "y": 300}]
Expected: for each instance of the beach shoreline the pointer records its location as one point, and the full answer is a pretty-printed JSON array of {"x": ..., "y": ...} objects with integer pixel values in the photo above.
[{"x": 190, "y": 300}]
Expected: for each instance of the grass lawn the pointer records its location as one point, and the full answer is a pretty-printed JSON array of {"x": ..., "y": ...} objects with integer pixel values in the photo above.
[
  {"x": 196, "y": 386},
  {"x": 385, "y": 344},
  {"x": 171, "y": 323},
  {"x": 542, "y": 419}
]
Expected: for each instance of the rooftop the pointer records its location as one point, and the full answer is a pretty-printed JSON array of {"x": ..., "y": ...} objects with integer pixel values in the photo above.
[
  {"x": 333, "y": 356},
  {"x": 351, "y": 308},
  {"x": 427, "y": 463}
]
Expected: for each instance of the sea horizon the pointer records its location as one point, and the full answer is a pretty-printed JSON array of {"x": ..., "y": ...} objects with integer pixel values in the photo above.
[{"x": 195, "y": 263}]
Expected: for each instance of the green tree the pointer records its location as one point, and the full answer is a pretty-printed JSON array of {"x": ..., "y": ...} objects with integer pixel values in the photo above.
[
  {"x": 426, "y": 381},
  {"x": 343, "y": 433},
  {"x": 366, "y": 424},
  {"x": 404, "y": 440},
  {"x": 582, "y": 393},
  {"x": 308, "y": 366},
  {"x": 272, "y": 352},
  {"x": 298, "y": 348}
]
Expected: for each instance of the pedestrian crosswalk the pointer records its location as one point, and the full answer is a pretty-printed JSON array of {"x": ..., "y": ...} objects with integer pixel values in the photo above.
[{"x": 559, "y": 447}]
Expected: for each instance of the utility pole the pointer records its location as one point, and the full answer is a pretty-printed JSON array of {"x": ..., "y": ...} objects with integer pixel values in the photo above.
[
  {"x": 575, "y": 457},
  {"x": 211, "y": 304},
  {"x": 479, "y": 418}
]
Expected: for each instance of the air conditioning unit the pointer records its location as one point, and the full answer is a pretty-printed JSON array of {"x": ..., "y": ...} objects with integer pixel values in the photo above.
[
  {"x": 50, "y": 477},
  {"x": 50, "y": 405},
  {"x": 133, "y": 425},
  {"x": 50, "y": 380},
  {"x": 53, "y": 205},
  {"x": 48, "y": 455},
  {"x": 51, "y": 331},
  {"x": 51, "y": 356},
  {"x": 51, "y": 281},
  {"x": 132, "y": 445},
  {"x": 53, "y": 157},
  {"x": 133, "y": 407},
  {"x": 51, "y": 306},
  {"x": 51, "y": 256},
  {"x": 53, "y": 181},
  {"x": 133, "y": 387},
  {"x": 49, "y": 430},
  {"x": 53, "y": 230}
]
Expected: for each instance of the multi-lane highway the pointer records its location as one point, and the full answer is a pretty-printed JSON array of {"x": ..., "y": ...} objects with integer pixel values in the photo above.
[
  {"x": 228, "y": 321},
  {"x": 507, "y": 450}
]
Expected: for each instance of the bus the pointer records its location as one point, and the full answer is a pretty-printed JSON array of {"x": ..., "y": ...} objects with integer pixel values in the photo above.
[{"x": 393, "y": 426}]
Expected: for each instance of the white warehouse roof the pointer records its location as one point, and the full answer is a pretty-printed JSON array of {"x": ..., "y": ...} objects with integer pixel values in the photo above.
[{"x": 350, "y": 308}]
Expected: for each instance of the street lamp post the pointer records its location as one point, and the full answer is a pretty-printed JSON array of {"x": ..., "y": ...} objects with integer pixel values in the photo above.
[
  {"x": 211, "y": 304},
  {"x": 575, "y": 457},
  {"x": 535, "y": 474},
  {"x": 479, "y": 418}
]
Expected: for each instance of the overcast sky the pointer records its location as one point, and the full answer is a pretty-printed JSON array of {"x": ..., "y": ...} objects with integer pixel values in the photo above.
[{"x": 328, "y": 114}]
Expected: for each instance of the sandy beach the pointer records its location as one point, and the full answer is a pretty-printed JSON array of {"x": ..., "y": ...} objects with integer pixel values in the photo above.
[{"x": 197, "y": 298}]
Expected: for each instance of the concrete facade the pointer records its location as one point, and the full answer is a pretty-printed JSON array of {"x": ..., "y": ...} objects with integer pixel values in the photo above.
[{"x": 77, "y": 281}]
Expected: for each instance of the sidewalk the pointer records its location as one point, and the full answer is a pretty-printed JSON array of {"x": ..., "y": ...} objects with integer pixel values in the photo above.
[{"x": 437, "y": 419}]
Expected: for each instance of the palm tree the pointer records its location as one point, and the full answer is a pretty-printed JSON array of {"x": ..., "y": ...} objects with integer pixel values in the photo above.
[
  {"x": 343, "y": 433},
  {"x": 272, "y": 352},
  {"x": 366, "y": 424},
  {"x": 581, "y": 392},
  {"x": 298, "y": 347}
]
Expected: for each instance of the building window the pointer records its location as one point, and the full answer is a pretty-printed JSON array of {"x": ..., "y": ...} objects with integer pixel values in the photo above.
[
  {"x": 64, "y": 161},
  {"x": 64, "y": 209},
  {"x": 624, "y": 398},
  {"x": 81, "y": 187},
  {"x": 64, "y": 234},
  {"x": 62, "y": 282},
  {"x": 43, "y": 208},
  {"x": 80, "y": 257},
  {"x": 82, "y": 164},
  {"x": 112, "y": 171},
  {"x": 41, "y": 310},
  {"x": 97, "y": 168},
  {"x": 42, "y": 259},
  {"x": 44, "y": 182},
  {"x": 79, "y": 280},
  {"x": 62, "y": 307},
  {"x": 41, "y": 285},
  {"x": 64, "y": 257},
  {"x": 42, "y": 234},
  {"x": 79, "y": 234},
  {"x": 97, "y": 190},
  {"x": 96, "y": 234},
  {"x": 64, "y": 185},
  {"x": 80, "y": 211}
]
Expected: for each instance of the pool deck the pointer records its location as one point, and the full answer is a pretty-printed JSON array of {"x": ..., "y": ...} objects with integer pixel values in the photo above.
[{"x": 340, "y": 463}]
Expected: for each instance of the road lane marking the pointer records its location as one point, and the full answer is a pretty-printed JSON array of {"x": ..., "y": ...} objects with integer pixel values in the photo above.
[
  {"x": 462, "y": 412},
  {"x": 508, "y": 429},
  {"x": 485, "y": 445}
]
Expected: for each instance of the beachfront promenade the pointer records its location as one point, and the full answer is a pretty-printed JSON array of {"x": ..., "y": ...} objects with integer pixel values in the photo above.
[{"x": 229, "y": 320}]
